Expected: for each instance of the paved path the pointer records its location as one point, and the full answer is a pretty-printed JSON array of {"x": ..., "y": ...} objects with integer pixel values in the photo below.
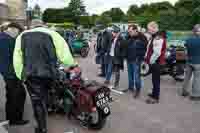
[{"x": 174, "y": 114}]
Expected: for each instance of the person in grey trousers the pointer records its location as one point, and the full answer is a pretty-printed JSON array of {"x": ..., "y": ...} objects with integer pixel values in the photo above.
[{"x": 193, "y": 65}]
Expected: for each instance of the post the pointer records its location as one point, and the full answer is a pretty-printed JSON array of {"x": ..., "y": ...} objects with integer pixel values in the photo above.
[{"x": 28, "y": 16}]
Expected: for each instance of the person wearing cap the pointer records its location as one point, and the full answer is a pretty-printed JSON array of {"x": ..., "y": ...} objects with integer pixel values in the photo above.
[
  {"x": 36, "y": 55},
  {"x": 15, "y": 91},
  {"x": 193, "y": 65},
  {"x": 155, "y": 56},
  {"x": 135, "y": 52},
  {"x": 114, "y": 57}
]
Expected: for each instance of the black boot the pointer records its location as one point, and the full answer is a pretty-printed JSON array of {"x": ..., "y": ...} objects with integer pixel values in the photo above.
[
  {"x": 102, "y": 75},
  {"x": 19, "y": 123},
  {"x": 185, "y": 94},
  {"x": 37, "y": 130}
]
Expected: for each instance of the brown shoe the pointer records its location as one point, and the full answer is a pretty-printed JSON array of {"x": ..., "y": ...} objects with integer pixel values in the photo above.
[
  {"x": 128, "y": 90},
  {"x": 136, "y": 94},
  {"x": 107, "y": 82}
]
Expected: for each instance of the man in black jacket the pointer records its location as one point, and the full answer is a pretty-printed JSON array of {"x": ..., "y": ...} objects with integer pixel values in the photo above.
[
  {"x": 114, "y": 57},
  {"x": 15, "y": 91}
]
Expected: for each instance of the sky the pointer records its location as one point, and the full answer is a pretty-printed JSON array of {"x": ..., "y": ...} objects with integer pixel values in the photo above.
[{"x": 94, "y": 6}]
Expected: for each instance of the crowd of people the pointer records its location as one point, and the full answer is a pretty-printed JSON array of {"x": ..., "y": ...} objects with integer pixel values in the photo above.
[
  {"x": 113, "y": 49},
  {"x": 135, "y": 47},
  {"x": 28, "y": 59}
]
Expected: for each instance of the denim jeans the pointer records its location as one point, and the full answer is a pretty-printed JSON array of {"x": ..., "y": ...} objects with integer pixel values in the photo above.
[
  {"x": 192, "y": 69},
  {"x": 115, "y": 70},
  {"x": 134, "y": 77},
  {"x": 109, "y": 70}
]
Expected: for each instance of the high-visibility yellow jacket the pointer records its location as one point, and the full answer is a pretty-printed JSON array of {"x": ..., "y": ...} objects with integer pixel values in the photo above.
[{"x": 39, "y": 49}]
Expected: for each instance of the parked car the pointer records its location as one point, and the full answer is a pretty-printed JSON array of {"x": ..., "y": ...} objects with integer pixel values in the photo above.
[{"x": 77, "y": 43}]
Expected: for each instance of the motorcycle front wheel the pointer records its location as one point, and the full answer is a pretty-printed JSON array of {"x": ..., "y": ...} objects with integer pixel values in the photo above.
[{"x": 97, "y": 121}]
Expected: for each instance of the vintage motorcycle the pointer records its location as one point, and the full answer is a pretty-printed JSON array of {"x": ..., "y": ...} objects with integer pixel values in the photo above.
[
  {"x": 173, "y": 67},
  {"x": 86, "y": 101}
]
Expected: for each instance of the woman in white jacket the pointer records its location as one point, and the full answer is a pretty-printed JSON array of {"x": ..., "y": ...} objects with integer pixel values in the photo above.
[{"x": 155, "y": 56}]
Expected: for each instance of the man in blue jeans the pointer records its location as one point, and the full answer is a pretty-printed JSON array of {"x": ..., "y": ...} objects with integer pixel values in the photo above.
[
  {"x": 114, "y": 58},
  {"x": 135, "y": 52},
  {"x": 193, "y": 65}
]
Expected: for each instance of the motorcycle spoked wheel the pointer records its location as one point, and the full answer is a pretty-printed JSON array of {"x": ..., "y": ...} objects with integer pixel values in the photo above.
[
  {"x": 179, "y": 73},
  {"x": 84, "y": 52},
  {"x": 97, "y": 121}
]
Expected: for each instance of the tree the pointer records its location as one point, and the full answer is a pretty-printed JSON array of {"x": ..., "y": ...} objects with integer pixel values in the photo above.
[
  {"x": 143, "y": 8},
  {"x": 76, "y": 8},
  {"x": 164, "y": 6},
  {"x": 94, "y": 19},
  {"x": 196, "y": 3},
  {"x": 132, "y": 12},
  {"x": 57, "y": 15},
  {"x": 133, "y": 9},
  {"x": 167, "y": 19},
  {"x": 48, "y": 15},
  {"x": 184, "y": 19},
  {"x": 104, "y": 20},
  {"x": 106, "y": 13},
  {"x": 196, "y": 16},
  {"x": 187, "y": 4},
  {"x": 117, "y": 15},
  {"x": 87, "y": 21}
]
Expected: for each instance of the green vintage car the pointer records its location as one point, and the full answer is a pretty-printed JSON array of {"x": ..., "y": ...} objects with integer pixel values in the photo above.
[{"x": 78, "y": 45}]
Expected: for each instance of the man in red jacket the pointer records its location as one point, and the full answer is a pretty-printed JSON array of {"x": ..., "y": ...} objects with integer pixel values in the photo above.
[{"x": 155, "y": 56}]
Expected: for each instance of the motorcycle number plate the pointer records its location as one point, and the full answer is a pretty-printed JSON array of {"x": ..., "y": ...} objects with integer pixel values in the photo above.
[{"x": 102, "y": 99}]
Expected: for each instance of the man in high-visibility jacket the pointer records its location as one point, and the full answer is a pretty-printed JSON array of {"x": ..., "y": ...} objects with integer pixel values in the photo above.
[{"x": 36, "y": 54}]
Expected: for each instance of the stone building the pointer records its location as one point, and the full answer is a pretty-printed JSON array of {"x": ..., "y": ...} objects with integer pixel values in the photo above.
[{"x": 13, "y": 10}]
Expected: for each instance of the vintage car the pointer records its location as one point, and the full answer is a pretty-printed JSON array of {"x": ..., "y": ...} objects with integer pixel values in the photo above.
[{"x": 77, "y": 43}]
